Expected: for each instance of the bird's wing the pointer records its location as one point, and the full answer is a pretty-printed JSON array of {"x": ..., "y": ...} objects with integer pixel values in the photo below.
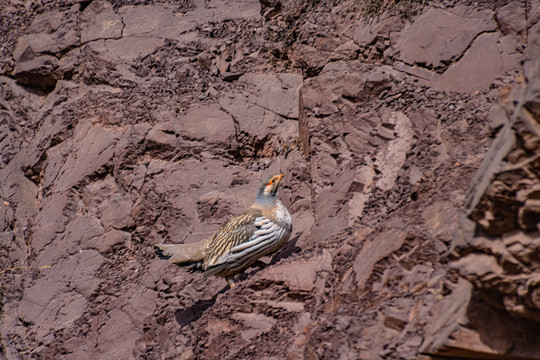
[
  {"x": 265, "y": 232},
  {"x": 235, "y": 231},
  {"x": 262, "y": 240}
]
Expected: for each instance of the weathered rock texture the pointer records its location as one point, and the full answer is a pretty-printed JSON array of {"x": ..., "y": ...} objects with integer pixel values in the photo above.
[
  {"x": 501, "y": 257},
  {"x": 126, "y": 124}
]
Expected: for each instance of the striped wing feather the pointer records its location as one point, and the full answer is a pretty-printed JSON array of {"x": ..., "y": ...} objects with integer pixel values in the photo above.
[
  {"x": 260, "y": 237},
  {"x": 235, "y": 231}
]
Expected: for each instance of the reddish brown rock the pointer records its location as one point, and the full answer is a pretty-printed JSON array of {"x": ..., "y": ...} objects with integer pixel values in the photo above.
[
  {"x": 484, "y": 61},
  {"x": 375, "y": 250},
  {"x": 50, "y": 33},
  {"x": 465, "y": 326},
  {"x": 99, "y": 21},
  {"x": 440, "y": 36},
  {"x": 277, "y": 93},
  {"x": 368, "y": 33},
  {"x": 126, "y": 125},
  {"x": 94, "y": 148},
  {"x": 300, "y": 276},
  {"x": 503, "y": 203},
  {"x": 512, "y": 18},
  {"x": 390, "y": 160},
  {"x": 111, "y": 342},
  {"x": 258, "y": 323},
  {"x": 128, "y": 48}
]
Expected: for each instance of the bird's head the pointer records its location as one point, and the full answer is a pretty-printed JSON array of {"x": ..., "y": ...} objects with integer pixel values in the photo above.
[{"x": 269, "y": 188}]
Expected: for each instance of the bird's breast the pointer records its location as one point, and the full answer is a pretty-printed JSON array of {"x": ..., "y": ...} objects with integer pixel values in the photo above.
[{"x": 281, "y": 216}]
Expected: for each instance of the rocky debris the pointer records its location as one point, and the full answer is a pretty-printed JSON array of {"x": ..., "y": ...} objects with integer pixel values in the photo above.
[
  {"x": 498, "y": 257},
  {"x": 126, "y": 125},
  {"x": 398, "y": 129},
  {"x": 507, "y": 211},
  {"x": 258, "y": 323},
  {"x": 50, "y": 33},
  {"x": 374, "y": 251},
  {"x": 51, "y": 48},
  {"x": 465, "y": 326},
  {"x": 100, "y": 21}
]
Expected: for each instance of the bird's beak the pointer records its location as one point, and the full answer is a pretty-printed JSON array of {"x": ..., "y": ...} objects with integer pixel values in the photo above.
[{"x": 280, "y": 176}]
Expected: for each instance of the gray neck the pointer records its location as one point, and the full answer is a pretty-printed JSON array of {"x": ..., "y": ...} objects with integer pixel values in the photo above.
[{"x": 266, "y": 201}]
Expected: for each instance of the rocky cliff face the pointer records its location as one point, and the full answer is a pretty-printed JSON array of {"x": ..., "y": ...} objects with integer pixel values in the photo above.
[{"x": 126, "y": 124}]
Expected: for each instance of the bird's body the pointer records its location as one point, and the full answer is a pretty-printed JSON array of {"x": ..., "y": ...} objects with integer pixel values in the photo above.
[{"x": 262, "y": 229}]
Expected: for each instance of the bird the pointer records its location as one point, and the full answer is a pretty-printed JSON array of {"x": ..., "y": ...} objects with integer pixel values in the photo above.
[{"x": 263, "y": 229}]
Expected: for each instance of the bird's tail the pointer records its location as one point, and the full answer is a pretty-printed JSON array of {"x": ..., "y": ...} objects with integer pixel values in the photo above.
[{"x": 181, "y": 254}]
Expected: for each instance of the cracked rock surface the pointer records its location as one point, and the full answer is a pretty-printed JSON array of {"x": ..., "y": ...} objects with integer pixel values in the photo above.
[{"x": 127, "y": 124}]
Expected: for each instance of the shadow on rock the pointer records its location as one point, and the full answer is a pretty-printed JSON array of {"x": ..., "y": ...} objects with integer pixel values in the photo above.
[
  {"x": 194, "y": 312},
  {"x": 185, "y": 316},
  {"x": 290, "y": 249},
  {"x": 498, "y": 331}
]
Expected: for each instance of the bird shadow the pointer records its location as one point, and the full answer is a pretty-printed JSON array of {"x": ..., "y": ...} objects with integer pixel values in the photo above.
[
  {"x": 288, "y": 250},
  {"x": 185, "y": 316}
]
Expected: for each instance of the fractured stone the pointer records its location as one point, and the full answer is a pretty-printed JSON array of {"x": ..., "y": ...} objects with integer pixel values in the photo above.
[
  {"x": 438, "y": 36},
  {"x": 478, "y": 68},
  {"x": 99, "y": 21}
]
